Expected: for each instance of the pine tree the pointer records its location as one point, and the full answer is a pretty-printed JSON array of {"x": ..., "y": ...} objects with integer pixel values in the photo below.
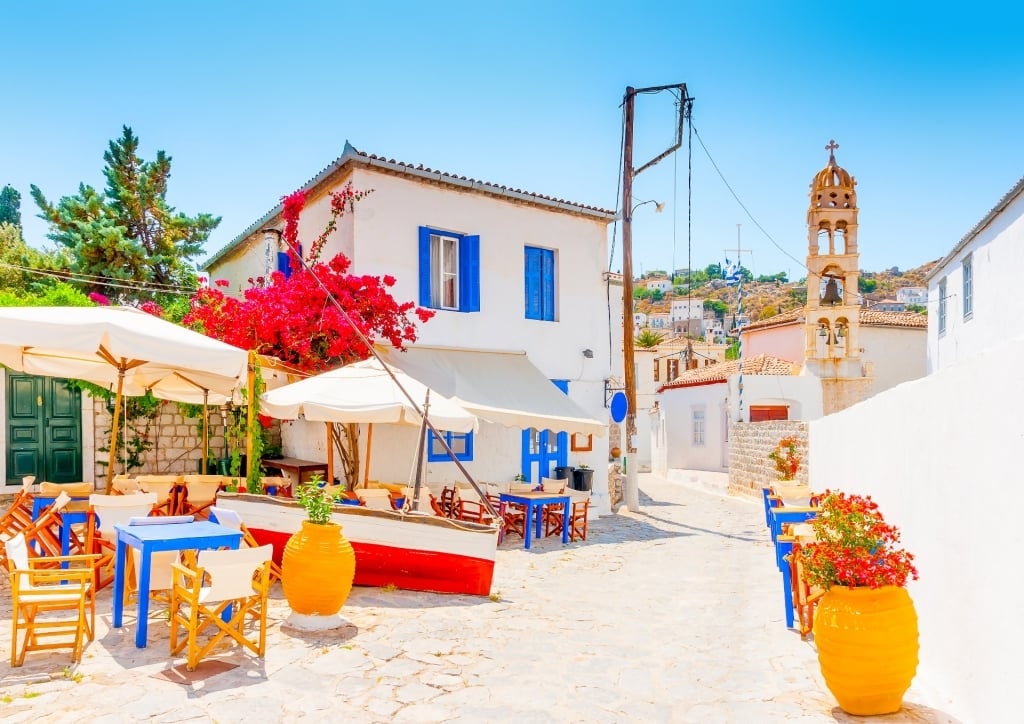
[
  {"x": 10, "y": 206},
  {"x": 128, "y": 233}
]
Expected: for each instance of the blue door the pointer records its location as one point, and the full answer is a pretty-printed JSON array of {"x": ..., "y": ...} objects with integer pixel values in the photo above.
[{"x": 543, "y": 450}]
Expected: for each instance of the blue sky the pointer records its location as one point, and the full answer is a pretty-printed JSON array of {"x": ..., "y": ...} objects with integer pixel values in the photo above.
[{"x": 251, "y": 100}]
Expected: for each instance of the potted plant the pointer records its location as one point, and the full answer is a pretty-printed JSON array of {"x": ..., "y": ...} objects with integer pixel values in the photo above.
[
  {"x": 865, "y": 625},
  {"x": 318, "y": 564},
  {"x": 787, "y": 461}
]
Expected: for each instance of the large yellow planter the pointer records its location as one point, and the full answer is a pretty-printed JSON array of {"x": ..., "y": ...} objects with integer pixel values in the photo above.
[
  {"x": 317, "y": 569},
  {"x": 867, "y": 647}
]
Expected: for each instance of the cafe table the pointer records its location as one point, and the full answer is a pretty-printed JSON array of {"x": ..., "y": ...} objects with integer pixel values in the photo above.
[
  {"x": 534, "y": 504},
  {"x": 149, "y": 538}
]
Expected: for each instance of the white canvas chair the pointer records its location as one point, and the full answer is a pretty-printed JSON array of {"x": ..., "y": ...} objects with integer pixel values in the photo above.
[
  {"x": 375, "y": 498},
  {"x": 40, "y": 588},
  {"x": 231, "y": 519},
  {"x": 239, "y": 579},
  {"x": 165, "y": 487},
  {"x": 200, "y": 494}
]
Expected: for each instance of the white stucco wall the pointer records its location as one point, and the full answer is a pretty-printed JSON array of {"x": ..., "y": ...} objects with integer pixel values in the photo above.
[
  {"x": 950, "y": 486},
  {"x": 896, "y": 354},
  {"x": 802, "y": 393},
  {"x": 998, "y": 254},
  {"x": 674, "y": 448},
  {"x": 646, "y": 394}
]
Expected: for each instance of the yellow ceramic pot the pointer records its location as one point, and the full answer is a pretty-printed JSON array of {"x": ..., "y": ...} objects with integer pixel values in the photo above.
[
  {"x": 317, "y": 569},
  {"x": 867, "y": 647}
]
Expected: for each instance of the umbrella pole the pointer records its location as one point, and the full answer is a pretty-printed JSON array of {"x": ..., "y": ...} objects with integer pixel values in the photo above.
[
  {"x": 330, "y": 455},
  {"x": 250, "y": 391},
  {"x": 113, "y": 431},
  {"x": 366, "y": 467},
  {"x": 206, "y": 432}
]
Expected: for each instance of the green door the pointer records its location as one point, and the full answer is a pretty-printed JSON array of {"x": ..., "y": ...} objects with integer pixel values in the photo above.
[{"x": 44, "y": 429}]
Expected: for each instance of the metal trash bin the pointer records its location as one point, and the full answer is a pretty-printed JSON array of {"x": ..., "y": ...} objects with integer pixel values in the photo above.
[
  {"x": 564, "y": 472},
  {"x": 582, "y": 479}
]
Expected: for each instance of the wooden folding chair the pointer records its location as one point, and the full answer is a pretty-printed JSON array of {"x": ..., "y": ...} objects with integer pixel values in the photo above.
[
  {"x": 579, "y": 508},
  {"x": 231, "y": 519},
  {"x": 40, "y": 588},
  {"x": 18, "y": 515},
  {"x": 238, "y": 580},
  {"x": 166, "y": 488},
  {"x": 105, "y": 512},
  {"x": 200, "y": 493},
  {"x": 513, "y": 519}
]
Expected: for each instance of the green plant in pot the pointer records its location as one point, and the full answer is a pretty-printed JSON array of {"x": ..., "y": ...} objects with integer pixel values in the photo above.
[{"x": 318, "y": 564}]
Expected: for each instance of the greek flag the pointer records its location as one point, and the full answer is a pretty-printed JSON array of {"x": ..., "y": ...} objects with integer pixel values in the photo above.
[{"x": 731, "y": 271}]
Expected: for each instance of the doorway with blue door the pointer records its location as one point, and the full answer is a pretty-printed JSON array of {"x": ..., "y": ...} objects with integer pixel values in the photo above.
[{"x": 544, "y": 450}]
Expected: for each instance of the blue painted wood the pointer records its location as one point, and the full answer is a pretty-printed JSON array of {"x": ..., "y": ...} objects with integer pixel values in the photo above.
[
  {"x": 532, "y": 283},
  {"x": 439, "y": 454},
  {"x": 547, "y": 280},
  {"x": 424, "y": 266},
  {"x": 534, "y": 504},
  {"x": 469, "y": 274}
]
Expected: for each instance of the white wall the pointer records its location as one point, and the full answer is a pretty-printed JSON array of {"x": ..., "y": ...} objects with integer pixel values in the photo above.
[
  {"x": 675, "y": 449},
  {"x": 998, "y": 255},
  {"x": 951, "y": 486},
  {"x": 802, "y": 393},
  {"x": 897, "y": 354}
]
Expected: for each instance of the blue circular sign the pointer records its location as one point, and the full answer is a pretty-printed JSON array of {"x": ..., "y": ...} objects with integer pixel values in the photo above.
[{"x": 619, "y": 406}]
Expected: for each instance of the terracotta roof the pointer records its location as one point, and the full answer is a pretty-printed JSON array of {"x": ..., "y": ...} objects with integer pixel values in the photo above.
[
  {"x": 762, "y": 364},
  {"x": 351, "y": 155},
  {"x": 867, "y": 318}
]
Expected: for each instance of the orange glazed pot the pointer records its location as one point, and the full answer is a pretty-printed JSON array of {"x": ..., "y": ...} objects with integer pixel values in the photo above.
[
  {"x": 317, "y": 569},
  {"x": 867, "y": 647}
]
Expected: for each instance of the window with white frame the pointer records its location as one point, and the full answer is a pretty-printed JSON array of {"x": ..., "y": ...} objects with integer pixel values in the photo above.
[
  {"x": 942, "y": 306},
  {"x": 449, "y": 270},
  {"x": 968, "y": 270},
  {"x": 698, "y": 427}
]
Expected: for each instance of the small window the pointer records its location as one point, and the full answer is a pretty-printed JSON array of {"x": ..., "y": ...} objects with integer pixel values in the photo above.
[
  {"x": 942, "y": 307},
  {"x": 657, "y": 370},
  {"x": 449, "y": 270},
  {"x": 698, "y": 428},
  {"x": 968, "y": 269},
  {"x": 673, "y": 369},
  {"x": 540, "y": 284},
  {"x": 461, "y": 444}
]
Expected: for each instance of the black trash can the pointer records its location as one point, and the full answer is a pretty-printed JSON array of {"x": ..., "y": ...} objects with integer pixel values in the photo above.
[
  {"x": 582, "y": 479},
  {"x": 564, "y": 472}
]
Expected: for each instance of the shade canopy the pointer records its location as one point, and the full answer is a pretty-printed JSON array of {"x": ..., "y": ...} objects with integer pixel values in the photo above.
[
  {"x": 363, "y": 392},
  {"x": 97, "y": 344},
  {"x": 501, "y": 387}
]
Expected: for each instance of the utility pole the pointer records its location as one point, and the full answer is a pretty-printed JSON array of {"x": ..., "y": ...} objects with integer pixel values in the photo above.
[
  {"x": 632, "y": 489},
  {"x": 738, "y": 250}
]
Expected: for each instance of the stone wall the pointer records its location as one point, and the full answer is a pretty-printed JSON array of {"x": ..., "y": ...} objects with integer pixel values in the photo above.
[
  {"x": 750, "y": 470},
  {"x": 177, "y": 445}
]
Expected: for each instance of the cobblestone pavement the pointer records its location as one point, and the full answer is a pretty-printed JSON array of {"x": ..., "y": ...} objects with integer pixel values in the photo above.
[{"x": 672, "y": 614}]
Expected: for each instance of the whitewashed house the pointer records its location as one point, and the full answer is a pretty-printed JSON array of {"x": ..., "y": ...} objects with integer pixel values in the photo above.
[
  {"x": 973, "y": 287},
  {"x": 912, "y": 295},
  {"x": 505, "y": 270}
]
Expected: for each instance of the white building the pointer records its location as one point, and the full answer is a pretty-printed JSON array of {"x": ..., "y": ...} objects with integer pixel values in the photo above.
[
  {"x": 662, "y": 285},
  {"x": 521, "y": 272},
  {"x": 685, "y": 309},
  {"x": 912, "y": 295},
  {"x": 660, "y": 320},
  {"x": 972, "y": 289}
]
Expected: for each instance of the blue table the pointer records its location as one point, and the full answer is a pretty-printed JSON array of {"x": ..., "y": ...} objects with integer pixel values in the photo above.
[
  {"x": 147, "y": 539},
  {"x": 534, "y": 504},
  {"x": 77, "y": 511}
]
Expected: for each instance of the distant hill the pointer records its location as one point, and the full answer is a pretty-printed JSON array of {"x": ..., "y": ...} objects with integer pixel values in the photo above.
[{"x": 765, "y": 299}]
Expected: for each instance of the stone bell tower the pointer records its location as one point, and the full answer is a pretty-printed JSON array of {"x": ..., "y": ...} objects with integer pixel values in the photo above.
[{"x": 831, "y": 320}]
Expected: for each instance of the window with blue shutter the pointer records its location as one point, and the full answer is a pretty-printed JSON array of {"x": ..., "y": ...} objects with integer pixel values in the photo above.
[
  {"x": 449, "y": 270},
  {"x": 539, "y": 283},
  {"x": 284, "y": 263},
  {"x": 460, "y": 443}
]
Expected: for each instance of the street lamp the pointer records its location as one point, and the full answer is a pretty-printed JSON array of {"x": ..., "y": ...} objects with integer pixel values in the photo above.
[{"x": 659, "y": 206}]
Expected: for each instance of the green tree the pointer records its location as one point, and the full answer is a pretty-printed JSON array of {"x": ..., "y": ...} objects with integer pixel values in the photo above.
[
  {"x": 714, "y": 271},
  {"x": 733, "y": 350},
  {"x": 648, "y": 338},
  {"x": 128, "y": 232},
  {"x": 917, "y": 308},
  {"x": 657, "y": 295},
  {"x": 25, "y": 269},
  {"x": 866, "y": 286},
  {"x": 717, "y": 306},
  {"x": 768, "y": 311},
  {"x": 10, "y": 206}
]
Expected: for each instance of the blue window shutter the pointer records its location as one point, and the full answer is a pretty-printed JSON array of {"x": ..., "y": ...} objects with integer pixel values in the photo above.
[
  {"x": 284, "y": 264},
  {"x": 469, "y": 274},
  {"x": 532, "y": 283},
  {"x": 548, "y": 284},
  {"x": 424, "y": 266},
  {"x": 563, "y": 385}
]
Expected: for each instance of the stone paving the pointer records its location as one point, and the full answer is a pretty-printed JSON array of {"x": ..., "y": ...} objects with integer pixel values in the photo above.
[{"x": 672, "y": 614}]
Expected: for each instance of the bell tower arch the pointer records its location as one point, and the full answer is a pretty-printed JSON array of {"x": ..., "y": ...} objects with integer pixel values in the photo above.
[{"x": 831, "y": 325}]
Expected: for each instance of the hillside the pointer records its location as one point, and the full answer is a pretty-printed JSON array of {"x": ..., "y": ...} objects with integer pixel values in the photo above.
[{"x": 766, "y": 299}]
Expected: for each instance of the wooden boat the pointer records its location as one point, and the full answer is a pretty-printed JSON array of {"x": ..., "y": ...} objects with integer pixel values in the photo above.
[{"x": 414, "y": 551}]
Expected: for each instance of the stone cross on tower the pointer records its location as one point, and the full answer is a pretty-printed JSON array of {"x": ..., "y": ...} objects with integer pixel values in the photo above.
[{"x": 831, "y": 148}]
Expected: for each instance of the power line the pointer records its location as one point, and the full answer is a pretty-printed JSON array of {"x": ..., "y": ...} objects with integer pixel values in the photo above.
[{"x": 141, "y": 286}]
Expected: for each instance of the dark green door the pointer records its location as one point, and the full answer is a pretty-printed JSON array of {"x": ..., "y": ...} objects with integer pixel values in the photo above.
[{"x": 44, "y": 429}]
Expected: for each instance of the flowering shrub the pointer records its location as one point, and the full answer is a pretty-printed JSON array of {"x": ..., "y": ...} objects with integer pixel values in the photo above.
[
  {"x": 785, "y": 458},
  {"x": 854, "y": 546}
]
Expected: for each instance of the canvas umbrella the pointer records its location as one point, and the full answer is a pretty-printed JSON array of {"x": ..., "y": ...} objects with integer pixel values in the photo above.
[
  {"x": 363, "y": 392},
  {"x": 124, "y": 349}
]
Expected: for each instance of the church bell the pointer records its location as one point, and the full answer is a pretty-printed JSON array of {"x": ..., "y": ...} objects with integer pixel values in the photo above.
[{"x": 832, "y": 295}]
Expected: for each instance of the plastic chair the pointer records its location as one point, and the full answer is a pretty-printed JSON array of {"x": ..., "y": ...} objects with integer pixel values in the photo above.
[
  {"x": 238, "y": 583},
  {"x": 231, "y": 519},
  {"x": 40, "y": 587}
]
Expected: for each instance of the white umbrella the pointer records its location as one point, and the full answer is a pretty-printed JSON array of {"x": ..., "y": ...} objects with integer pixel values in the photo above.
[
  {"x": 122, "y": 347},
  {"x": 364, "y": 392}
]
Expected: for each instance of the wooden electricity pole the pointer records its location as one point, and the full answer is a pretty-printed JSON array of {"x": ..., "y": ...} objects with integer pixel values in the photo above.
[{"x": 631, "y": 489}]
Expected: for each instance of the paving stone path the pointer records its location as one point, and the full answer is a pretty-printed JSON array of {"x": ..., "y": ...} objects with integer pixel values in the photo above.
[{"x": 672, "y": 614}]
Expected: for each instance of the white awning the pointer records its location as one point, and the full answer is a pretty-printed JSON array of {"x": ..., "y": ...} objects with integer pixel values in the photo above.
[{"x": 501, "y": 387}]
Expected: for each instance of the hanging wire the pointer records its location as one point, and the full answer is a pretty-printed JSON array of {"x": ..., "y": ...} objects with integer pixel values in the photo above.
[{"x": 618, "y": 185}]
